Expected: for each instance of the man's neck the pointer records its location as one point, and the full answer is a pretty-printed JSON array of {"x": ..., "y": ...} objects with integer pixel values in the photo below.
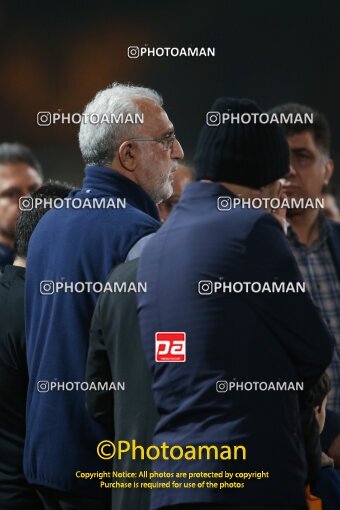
[
  {"x": 6, "y": 240},
  {"x": 241, "y": 191},
  {"x": 306, "y": 226}
]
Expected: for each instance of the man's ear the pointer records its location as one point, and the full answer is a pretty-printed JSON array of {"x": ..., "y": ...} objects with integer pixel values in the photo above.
[
  {"x": 127, "y": 153},
  {"x": 329, "y": 170},
  {"x": 317, "y": 410}
]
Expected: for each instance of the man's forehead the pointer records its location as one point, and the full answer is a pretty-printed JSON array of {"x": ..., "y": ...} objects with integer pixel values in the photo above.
[
  {"x": 155, "y": 116},
  {"x": 15, "y": 169},
  {"x": 16, "y": 173},
  {"x": 301, "y": 140}
]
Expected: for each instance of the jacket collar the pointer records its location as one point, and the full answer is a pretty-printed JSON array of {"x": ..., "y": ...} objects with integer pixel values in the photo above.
[
  {"x": 107, "y": 181},
  {"x": 200, "y": 189},
  {"x": 11, "y": 273}
]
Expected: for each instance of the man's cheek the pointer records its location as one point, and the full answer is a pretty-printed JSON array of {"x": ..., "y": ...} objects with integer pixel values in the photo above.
[
  {"x": 5, "y": 206},
  {"x": 8, "y": 220},
  {"x": 11, "y": 219},
  {"x": 11, "y": 212},
  {"x": 314, "y": 181}
]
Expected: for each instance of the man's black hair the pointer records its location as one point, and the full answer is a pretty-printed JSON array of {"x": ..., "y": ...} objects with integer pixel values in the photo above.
[
  {"x": 319, "y": 128},
  {"x": 28, "y": 220},
  {"x": 18, "y": 153}
]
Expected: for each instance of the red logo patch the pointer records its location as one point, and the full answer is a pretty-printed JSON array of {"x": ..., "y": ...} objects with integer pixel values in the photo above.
[{"x": 170, "y": 347}]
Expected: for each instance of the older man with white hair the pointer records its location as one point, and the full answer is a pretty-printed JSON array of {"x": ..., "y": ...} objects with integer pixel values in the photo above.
[{"x": 129, "y": 170}]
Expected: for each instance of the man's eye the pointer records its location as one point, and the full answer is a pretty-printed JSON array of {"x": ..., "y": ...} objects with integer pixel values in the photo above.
[
  {"x": 303, "y": 157},
  {"x": 9, "y": 194}
]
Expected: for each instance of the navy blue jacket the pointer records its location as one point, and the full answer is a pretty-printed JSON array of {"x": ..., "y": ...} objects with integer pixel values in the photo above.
[
  {"x": 242, "y": 336},
  {"x": 72, "y": 245}
]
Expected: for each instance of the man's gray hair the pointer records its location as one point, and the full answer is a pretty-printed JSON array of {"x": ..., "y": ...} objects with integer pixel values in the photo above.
[{"x": 99, "y": 140}]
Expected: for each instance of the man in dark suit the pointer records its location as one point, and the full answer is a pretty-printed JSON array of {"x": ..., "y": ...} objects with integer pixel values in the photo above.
[
  {"x": 15, "y": 493},
  {"x": 192, "y": 266},
  {"x": 116, "y": 354}
]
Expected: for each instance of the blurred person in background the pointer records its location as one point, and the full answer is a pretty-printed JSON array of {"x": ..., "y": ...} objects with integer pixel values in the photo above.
[
  {"x": 20, "y": 175},
  {"x": 15, "y": 493},
  {"x": 184, "y": 174},
  {"x": 131, "y": 161}
]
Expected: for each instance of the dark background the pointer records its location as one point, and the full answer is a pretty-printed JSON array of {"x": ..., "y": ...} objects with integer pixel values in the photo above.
[{"x": 57, "y": 55}]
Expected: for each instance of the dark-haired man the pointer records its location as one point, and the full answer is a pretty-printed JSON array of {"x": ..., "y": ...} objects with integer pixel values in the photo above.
[
  {"x": 20, "y": 174},
  {"x": 15, "y": 493},
  {"x": 315, "y": 241}
]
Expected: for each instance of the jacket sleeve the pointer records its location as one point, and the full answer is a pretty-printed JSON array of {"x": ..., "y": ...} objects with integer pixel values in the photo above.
[
  {"x": 99, "y": 403},
  {"x": 292, "y": 316}
]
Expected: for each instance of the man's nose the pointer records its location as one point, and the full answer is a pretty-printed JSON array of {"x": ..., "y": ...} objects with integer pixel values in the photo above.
[{"x": 177, "y": 151}]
